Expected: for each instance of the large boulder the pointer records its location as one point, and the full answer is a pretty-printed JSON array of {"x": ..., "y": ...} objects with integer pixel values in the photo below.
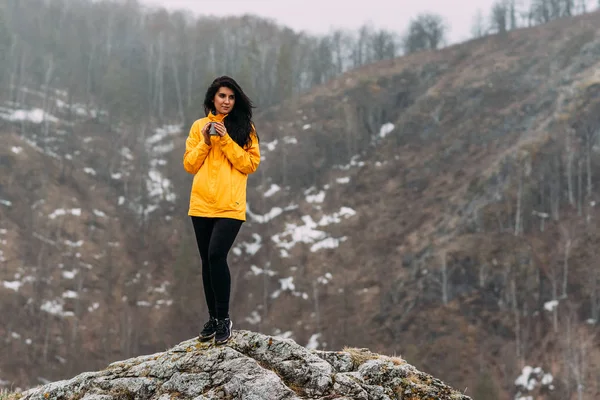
[{"x": 250, "y": 366}]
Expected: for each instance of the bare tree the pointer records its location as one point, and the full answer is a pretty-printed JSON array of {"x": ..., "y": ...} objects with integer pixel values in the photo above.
[
  {"x": 579, "y": 187},
  {"x": 499, "y": 17},
  {"x": 384, "y": 46},
  {"x": 444, "y": 277},
  {"x": 426, "y": 32},
  {"x": 577, "y": 342},
  {"x": 517, "y": 318},
  {"x": 478, "y": 28},
  {"x": 512, "y": 12},
  {"x": 567, "y": 236},
  {"x": 518, "y": 214},
  {"x": 570, "y": 158},
  {"x": 590, "y": 136}
]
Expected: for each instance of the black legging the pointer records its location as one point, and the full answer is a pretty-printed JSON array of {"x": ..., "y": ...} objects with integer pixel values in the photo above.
[{"x": 215, "y": 236}]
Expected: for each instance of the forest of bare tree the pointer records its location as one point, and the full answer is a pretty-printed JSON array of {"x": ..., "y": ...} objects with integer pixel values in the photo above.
[{"x": 134, "y": 62}]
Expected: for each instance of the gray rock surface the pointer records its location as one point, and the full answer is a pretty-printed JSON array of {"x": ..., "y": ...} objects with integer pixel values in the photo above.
[{"x": 250, "y": 366}]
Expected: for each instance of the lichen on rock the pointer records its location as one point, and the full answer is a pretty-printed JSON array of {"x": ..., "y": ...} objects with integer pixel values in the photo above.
[{"x": 251, "y": 366}]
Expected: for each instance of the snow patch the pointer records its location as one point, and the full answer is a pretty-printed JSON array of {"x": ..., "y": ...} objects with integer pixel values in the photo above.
[
  {"x": 159, "y": 186},
  {"x": 325, "y": 279},
  {"x": 69, "y": 274},
  {"x": 272, "y": 190},
  {"x": 254, "y": 318},
  {"x": 313, "y": 342},
  {"x": 345, "y": 212},
  {"x": 163, "y": 148},
  {"x": 16, "y": 149},
  {"x": 61, "y": 211},
  {"x": 531, "y": 378},
  {"x": 12, "y": 285},
  {"x": 99, "y": 214},
  {"x": 252, "y": 248},
  {"x": 305, "y": 127},
  {"x": 162, "y": 302},
  {"x": 55, "y": 307},
  {"x": 271, "y": 145},
  {"x": 36, "y": 116},
  {"x": 126, "y": 153},
  {"x": 329, "y": 243},
  {"x": 70, "y": 294},
  {"x": 283, "y": 335},
  {"x": 287, "y": 285},
  {"x": 386, "y": 129},
  {"x": 550, "y": 305},
  {"x": 163, "y": 132},
  {"x": 307, "y": 233},
  {"x": 258, "y": 271},
  {"x": 354, "y": 162},
  {"x": 299, "y": 234},
  {"x": 78, "y": 243},
  {"x": 263, "y": 219},
  {"x": 315, "y": 198}
]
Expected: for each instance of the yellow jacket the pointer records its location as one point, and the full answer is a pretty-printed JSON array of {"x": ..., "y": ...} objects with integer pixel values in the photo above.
[{"x": 220, "y": 172}]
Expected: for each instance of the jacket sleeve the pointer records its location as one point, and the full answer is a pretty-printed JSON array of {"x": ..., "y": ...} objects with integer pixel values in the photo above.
[
  {"x": 244, "y": 160},
  {"x": 196, "y": 150}
]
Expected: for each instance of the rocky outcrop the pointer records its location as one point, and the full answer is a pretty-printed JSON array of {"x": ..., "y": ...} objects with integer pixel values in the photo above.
[{"x": 251, "y": 366}]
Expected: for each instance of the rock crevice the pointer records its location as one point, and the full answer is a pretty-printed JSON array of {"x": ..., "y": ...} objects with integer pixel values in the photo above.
[{"x": 250, "y": 366}]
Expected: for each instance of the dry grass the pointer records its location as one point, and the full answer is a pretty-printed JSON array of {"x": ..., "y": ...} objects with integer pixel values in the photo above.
[
  {"x": 361, "y": 356},
  {"x": 6, "y": 395}
]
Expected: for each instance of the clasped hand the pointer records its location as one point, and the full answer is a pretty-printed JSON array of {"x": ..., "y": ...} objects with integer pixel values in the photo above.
[{"x": 219, "y": 127}]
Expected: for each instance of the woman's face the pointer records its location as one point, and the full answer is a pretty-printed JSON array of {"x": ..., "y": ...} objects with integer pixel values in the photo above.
[{"x": 224, "y": 100}]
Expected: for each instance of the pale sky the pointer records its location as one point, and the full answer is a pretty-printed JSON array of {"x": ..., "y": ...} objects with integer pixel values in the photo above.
[{"x": 319, "y": 16}]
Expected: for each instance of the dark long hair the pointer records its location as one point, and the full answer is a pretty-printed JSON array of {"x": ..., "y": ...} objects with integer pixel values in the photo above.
[{"x": 239, "y": 119}]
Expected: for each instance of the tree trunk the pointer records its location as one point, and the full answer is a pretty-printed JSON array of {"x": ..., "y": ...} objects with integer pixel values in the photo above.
[
  {"x": 588, "y": 164},
  {"x": 444, "y": 279},
  {"x": 579, "y": 188},
  {"x": 516, "y": 315},
  {"x": 518, "y": 228},
  {"x": 178, "y": 90},
  {"x": 570, "y": 156},
  {"x": 317, "y": 310}
]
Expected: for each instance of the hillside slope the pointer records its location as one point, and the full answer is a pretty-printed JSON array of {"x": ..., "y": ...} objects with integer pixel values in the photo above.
[{"x": 439, "y": 206}]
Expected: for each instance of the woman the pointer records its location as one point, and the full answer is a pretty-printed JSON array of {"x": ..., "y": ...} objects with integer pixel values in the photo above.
[{"x": 221, "y": 150}]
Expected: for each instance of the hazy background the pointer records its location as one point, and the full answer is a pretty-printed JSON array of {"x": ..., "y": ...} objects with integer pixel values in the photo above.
[
  {"x": 430, "y": 201},
  {"x": 319, "y": 17}
]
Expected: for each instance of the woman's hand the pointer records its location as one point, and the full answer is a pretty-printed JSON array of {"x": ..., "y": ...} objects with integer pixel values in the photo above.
[
  {"x": 205, "y": 134},
  {"x": 220, "y": 128}
]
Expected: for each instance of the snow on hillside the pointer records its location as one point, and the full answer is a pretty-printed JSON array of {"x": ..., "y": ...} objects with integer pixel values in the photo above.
[
  {"x": 530, "y": 379},
  {"x": 292, "y": 227},
  {"x": 159, "y": 187},
  {"x": 307, "y": 232}
]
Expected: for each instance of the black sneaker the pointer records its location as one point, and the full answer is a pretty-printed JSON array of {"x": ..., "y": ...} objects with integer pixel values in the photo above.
[
  {"x": 223, "y": 330},
  {"x": 209, "y": 329}
]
